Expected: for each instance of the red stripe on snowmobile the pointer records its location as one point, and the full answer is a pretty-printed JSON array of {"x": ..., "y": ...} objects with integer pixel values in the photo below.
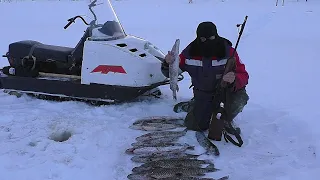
[{"x": 105, "y": 69}]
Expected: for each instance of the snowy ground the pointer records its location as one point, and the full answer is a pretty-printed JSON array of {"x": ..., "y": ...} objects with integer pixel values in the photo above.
[{"x": 280, "y": 123}]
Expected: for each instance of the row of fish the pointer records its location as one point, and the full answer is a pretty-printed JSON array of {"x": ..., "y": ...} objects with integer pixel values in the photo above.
[{"x": 162, "y": 156}]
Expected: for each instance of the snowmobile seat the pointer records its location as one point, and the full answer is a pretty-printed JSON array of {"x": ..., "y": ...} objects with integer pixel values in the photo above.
[{"x": 42, "y": 52}]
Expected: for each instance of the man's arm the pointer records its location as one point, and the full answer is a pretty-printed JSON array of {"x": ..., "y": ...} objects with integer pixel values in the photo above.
[
  {"x": 242, "y": 76},
  {"x": 165, "y": 65}
]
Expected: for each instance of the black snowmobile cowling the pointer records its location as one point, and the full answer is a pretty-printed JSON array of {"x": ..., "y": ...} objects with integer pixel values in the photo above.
[{"x": 106, "y": 65}]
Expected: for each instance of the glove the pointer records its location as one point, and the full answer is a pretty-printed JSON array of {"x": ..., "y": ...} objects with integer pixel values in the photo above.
[
  {"x": 169, "y": 58},
  {"x": 229, "y": 77}
]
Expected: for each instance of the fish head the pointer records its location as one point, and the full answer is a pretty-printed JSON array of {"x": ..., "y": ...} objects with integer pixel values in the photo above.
[
  {"x": 141, "y": 169},
  {"x": 138, "y": 176},
  {"x": 145, "y": 166},
  {"x": 135, "y": 127},
  {"x": 130, "y": 150}
]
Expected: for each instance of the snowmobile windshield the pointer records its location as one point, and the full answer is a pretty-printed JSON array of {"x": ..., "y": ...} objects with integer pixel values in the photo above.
[{"x": 104, "y": 22}]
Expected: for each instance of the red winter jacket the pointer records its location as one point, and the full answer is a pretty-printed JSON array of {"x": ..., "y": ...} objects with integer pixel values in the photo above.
[{"x": 205, "y": 73}]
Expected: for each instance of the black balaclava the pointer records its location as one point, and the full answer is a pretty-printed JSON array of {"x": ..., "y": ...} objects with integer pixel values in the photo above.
[{"x": 210, "y": 47}]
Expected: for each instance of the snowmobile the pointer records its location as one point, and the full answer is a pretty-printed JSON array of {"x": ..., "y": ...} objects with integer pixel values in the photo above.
[{"x": 107, "y": 65}]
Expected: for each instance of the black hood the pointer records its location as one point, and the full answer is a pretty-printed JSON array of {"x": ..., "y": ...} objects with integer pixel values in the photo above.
[{"x": 213, "y": 46}]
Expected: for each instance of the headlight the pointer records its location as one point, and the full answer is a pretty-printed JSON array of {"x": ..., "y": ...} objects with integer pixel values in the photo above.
[{"x": 154, "y": 50}]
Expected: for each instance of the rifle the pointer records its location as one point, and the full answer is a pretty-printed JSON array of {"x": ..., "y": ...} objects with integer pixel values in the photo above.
[{"x": 216, "y": 128}]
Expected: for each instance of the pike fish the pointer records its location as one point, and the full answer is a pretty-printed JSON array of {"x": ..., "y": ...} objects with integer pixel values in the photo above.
[
  {"x": 207, "y": 144},
  {"x": 161, "y": 134},
  {"x": 157, "y": 157},
  {"x": 155, "y": 142},
  {"x": 160, "y": 119},
  {"x": 174, "y": 69},
  {"x": 145, "y": 126},
  {"x": 145, "y": 177},
  {"x": 177, "y": 162},
  {"x": 159, "y": 173},
  {"x": 149, "y": 150},
  {"x": 171, "y": 163},
  {"x": 194, "y": 178},
  {"x": 162, "y": 153},
  {"x": 161, "y": 144}
]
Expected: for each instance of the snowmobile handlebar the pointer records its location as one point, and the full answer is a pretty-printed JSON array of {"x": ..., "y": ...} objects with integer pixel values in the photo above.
[
  {"x": 72, "y": 20},
  {"x": 6, "y": 55}
]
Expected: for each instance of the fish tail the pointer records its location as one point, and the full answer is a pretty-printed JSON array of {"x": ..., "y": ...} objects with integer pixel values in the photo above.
[
  {"x": 208, "y": 162},
  {"x": 193, "y": 155},
  {"x": 224, "y": 178},
  {"x": 206, "y": 153},
  {"x": 190, "y": 147},
  {"x": 211, "y": 167},
  {"x": 185, "y": 130}
]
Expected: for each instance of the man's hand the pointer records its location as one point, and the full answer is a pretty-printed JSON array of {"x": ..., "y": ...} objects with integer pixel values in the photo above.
[
  {"x": 229, "y": 77},
  {"x": 169, "y": 57}
]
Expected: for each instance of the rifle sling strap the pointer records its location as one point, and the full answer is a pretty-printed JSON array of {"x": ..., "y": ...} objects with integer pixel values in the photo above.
[{"x": 229, "y": 138}]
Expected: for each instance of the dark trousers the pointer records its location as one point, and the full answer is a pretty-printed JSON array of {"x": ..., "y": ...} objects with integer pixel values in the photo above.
[{"x": 204, "y": 104}]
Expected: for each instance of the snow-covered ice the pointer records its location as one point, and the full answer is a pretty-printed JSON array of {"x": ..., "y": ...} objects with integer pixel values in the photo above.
[{"x": 280, "y": 124}]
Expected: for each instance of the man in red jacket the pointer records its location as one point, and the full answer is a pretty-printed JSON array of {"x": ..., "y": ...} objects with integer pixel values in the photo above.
[{"x": 204, "y": 59}]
